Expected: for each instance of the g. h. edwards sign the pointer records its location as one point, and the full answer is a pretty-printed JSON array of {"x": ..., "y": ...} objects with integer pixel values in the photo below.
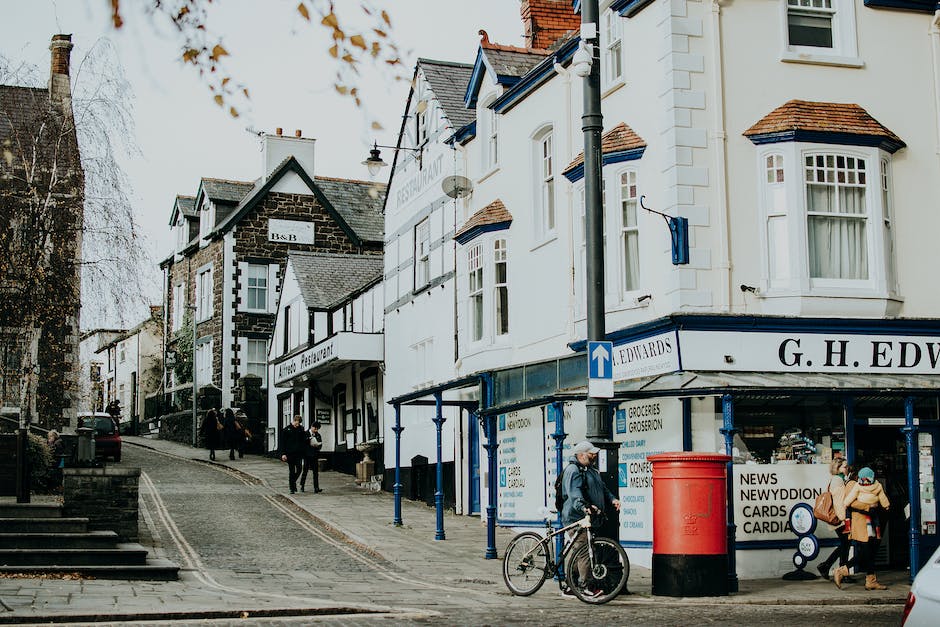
[{"x": 809, "y": 352}]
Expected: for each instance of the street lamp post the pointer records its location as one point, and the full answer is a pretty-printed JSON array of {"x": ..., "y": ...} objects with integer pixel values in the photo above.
[
  {"x": 592, "y": 124},
  {"x": 192, "y": 309}
]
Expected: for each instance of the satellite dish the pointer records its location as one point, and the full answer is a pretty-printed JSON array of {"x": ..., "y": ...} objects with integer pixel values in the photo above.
[{"x": 457, "y": 186}]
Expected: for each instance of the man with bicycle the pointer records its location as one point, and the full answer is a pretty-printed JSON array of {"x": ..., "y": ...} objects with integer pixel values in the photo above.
[{"x": 584, "y": 494}]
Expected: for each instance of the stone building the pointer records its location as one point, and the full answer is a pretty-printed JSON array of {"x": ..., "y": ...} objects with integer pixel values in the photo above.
[
  {"x": 41, "y": 184},
  {"x": 232, "y": 245}
]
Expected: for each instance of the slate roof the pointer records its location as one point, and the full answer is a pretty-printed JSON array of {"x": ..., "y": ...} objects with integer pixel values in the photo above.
[
  {"x": 326, "y": 280},
  {"x": 187, "y": 206},
  {"x": 617, "y": 139},
  {"x": 25, "y": 109},
  {"x": 225, "y": 191},
  {"x": 493, "y": 213},
  {"x": 449, "y": 81},
  {"x": 359, "y": 203},
  {"x": 822, "y": 117},
  {"x": 511, "y": 60}
]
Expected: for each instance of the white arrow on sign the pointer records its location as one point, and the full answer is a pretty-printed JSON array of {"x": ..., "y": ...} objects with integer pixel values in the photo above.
[{"x": 600, "y": 356}]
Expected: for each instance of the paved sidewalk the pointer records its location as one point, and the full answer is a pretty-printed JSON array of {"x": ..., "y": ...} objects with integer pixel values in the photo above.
[{"x": 365, "y": 518}]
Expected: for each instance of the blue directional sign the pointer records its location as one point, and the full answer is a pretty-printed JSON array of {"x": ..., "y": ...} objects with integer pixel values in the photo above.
[
  {"x": 600, "y": 369},
  {"x": 600, "y": 364}
]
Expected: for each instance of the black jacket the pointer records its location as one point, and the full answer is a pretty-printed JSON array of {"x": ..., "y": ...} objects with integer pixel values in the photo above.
[
  {"x": 294, "y": 440},
  {"x": 314, "y": 444}
]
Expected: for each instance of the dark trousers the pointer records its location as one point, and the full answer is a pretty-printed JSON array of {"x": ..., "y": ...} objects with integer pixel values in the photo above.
[
  {"x": 841, "y": 552},
  {"x": 294, "y": 465},
  {"x": 864, "y": 558},
  {"x": 311, "y": 464}
]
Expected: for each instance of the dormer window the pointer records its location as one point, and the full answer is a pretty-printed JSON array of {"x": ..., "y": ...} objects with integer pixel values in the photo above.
[
  {"x": 181, "y": 233},
  {"x": 206, "y": 220},
  {"x": 421, "y": 123}
]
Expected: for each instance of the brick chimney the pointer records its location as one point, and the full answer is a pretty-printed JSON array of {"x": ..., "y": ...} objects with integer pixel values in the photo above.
[
  {"x": 547, "y": 21},
  {"x": 60, "y": 91}
]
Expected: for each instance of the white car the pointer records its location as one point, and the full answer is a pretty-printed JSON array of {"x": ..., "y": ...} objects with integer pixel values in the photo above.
[{"x": 923, "y": 601}]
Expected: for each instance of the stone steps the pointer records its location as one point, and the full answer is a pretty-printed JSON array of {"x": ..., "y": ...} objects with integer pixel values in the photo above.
[
  {"x": 35, "y": 539},
  {"x": 86, "y": 540}
]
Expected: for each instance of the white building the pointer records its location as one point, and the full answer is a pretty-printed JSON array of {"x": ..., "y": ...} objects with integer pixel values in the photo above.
[
  {"x": 133, "y": 366},
  {"x": 802, "y": 160},
  {"x": 327, "y": 353},
  {"x": 93, "y": 367}
]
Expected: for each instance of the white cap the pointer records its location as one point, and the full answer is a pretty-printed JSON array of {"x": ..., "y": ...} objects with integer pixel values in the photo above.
[{"x": 585, "y": 447}]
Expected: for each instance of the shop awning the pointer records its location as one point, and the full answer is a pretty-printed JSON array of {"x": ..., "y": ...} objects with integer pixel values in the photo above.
[
  {"x": 334, "y": 351},
  {"x": 687, "y": 383}
]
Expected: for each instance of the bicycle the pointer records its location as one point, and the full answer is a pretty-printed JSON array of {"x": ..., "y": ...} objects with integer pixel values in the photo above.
[{"x": 530, "y": 559}]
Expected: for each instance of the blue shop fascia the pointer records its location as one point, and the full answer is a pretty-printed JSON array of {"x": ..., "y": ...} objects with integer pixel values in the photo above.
[{"x": 782, "y": 395}]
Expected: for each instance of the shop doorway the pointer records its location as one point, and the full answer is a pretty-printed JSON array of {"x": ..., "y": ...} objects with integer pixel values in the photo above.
[{"x": 882, "y": 448}]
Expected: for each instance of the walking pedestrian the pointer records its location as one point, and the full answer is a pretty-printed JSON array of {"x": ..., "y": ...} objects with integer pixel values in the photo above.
[
  {"x": 245, "y": 440},
  {"x": 231, "y": 432},
  {"x": 868, "y": 504},
  {"x": 839, "y": 469},
  {"x": 312, "y": 457},
  {"x": 211, "y": 429},
  {"x": 292, "y": 444}
]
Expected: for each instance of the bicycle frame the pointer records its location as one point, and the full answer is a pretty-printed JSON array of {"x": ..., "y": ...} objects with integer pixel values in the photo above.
[{"x": 556, "y": 560}]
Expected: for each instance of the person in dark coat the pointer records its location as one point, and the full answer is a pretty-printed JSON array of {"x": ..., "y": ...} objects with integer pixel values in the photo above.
[
  {"x": 312, "y": 457},
  {"x": 231, "y": 431},
  {"x": 210, "y": 432},
  {"x": 293, "y": 443},
  {"x": 244, "y": 440}
]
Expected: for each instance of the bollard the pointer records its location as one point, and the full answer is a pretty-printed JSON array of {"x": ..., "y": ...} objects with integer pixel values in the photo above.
[{"x": 690, "y": 542}]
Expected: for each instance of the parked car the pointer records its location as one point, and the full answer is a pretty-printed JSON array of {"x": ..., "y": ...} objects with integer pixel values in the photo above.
[
  {"x": 107, "y": 438},
  {"x": 923, "y": 601}
]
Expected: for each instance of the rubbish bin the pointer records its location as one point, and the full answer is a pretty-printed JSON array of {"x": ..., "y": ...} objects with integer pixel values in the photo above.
[
  {"x": 690, "y": 541},
  {"x": 86, "y": 445}
]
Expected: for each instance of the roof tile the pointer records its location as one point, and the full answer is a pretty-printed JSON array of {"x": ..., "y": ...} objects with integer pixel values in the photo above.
[
  {"x": 493, "y": 213},
  {"x": 617, "y": 139},
  {"x": 824, "y": 117},
  {"x": 326, "y": 280}
]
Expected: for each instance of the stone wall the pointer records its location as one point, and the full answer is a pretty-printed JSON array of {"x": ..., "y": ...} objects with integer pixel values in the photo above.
[
  {"x": 107, "y": 497},
  {"x": 178, "y": 427}
]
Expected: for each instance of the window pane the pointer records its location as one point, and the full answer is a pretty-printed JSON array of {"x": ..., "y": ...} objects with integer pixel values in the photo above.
[
  {"x": 476, "y": 304},
  {"x": 779, "y": 250},
  {"x": 810, "y": 30},
  {"x": 631, "y": 248},
  {"x": 837, "y": 248}
]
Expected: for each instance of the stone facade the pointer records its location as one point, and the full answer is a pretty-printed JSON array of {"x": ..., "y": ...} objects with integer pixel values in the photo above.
[{"x": 107, "y": 497}]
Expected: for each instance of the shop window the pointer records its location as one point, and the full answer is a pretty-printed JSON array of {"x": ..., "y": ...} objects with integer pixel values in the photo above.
[
  {"x": 345, "y": 421},
  {"x": 370, "y": 404}
]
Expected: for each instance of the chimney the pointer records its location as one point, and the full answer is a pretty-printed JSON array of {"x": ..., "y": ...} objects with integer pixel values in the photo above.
[
  {"x": 278, "y": 147},
  {"x": 547, "y": 21},
  {"x": 60, "y": 90}
]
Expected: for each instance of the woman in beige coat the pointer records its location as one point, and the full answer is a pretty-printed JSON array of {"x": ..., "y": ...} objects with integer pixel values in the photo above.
[
  {"x": 839, "y": 469},
  {"x": 864, "y": 500}
]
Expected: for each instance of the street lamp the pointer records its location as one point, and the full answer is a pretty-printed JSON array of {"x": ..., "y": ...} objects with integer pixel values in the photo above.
[
  {"x": 374, "y": 161},
  {"x": 592, "y": 123},
  {"x": 192, "y": 309}
]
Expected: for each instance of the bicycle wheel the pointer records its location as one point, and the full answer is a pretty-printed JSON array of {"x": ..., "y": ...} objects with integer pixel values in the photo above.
[
  {"x": 608, "y": 575},
  {"x": 525, "y": 564}
]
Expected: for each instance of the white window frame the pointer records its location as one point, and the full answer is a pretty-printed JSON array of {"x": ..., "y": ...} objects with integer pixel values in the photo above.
[
  {"x": 203, "y": 363},
  {"x": 181, "y": 233},
  {"x": 179, "y": 305},
  {"x": 422, "y": 253},
  {"x": 500, "y": 287},
  {"x": 261, "y": 272},
  {"x": 844, "y": 50},
  {"x": 489, "y": 133},
  {"x": 261, "y": 364},
  {"x": 546, "y": 197},
  {"x": 204, "y": 296},
  {"x": 122, "y": 352},
  {"x": 788, "y": 199},
  {"x": 421, "y": 123},
  {"x": 611, "y": 40},
  {"x": 476, "y": 328},
  {"x": 626, "y": 181},
  {"x": 206, "y": 221}
]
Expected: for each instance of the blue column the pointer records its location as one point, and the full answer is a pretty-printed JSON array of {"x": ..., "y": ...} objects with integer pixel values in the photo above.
[
  {"x": 396, "y": 488},
  {"x": 728, "y": 430},
  {"x": 489, "y": 428},
  {"x": 913, "y": 482},
  {"x": 686, "y": 423},
  {"x": 558, "y": 411},
  {"x": 439, "y": 494},
  {"x": 848, "y": 405}
]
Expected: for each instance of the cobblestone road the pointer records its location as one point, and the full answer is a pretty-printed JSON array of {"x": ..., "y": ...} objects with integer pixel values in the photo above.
[{"x": 240, "y": 538}]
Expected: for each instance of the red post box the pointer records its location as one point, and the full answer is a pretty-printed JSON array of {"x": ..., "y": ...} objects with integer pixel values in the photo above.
[{"x": 690, "y": 541}]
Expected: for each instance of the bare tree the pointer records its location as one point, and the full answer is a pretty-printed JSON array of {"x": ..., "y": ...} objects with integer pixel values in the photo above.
[{"x": 62, "y": 195}]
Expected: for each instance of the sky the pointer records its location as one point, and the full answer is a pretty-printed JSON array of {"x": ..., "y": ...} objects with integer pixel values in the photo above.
[{"x": 182, "y": 135}]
